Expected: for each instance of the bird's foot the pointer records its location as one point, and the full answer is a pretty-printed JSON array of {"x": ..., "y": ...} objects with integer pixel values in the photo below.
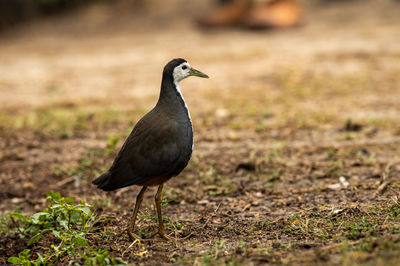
[
  {"x": 168, "y": 238},
  {"x": 133, "y": 236},
  {"x": 162, "y": 234}
]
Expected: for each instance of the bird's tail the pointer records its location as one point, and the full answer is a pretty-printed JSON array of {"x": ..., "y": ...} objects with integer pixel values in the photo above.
[{"x": 102, "y": 181}]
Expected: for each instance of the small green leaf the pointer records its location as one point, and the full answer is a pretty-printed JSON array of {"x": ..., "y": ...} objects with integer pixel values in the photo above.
[
  {"x": 56, "y": 233},
  {"x": 62, "y": 222},
  {"x": 86, "y": 211},
  {"x": 35, "y": 239},
  {"x": 25, "y": 252},
  {"x": 118, "y": 261},
  {"x": 79, "y": 241},
  {"x": 69, "y": 200},
  {"x": 75, "y": 215},
  {"x": 33, "y": 229},
  {"x": 54, "y": 195},
  {"x": 40, "y": 257},
  {"x": 36, "y": 217},
  {"x": 56, "y": 206},
  {"x": 19, "y": 216},
  {"x": 14, "y": 260}
]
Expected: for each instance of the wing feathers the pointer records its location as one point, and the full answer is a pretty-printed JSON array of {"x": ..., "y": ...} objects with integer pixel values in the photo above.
[{"x": 151, "y": 150}]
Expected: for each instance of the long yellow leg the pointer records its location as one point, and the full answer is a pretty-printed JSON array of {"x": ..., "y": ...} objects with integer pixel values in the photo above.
[
  {"x": 132, "y": 221},
  {"x": 158, "y": 200}
]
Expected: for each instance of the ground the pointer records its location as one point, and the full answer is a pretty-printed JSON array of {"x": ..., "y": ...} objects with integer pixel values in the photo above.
[{"x": 297, "y": 133}]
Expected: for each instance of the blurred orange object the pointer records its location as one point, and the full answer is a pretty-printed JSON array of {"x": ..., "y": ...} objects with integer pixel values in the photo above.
[
  {"x": 275, "y": 14},
  {"x": 228, "y": 14}
]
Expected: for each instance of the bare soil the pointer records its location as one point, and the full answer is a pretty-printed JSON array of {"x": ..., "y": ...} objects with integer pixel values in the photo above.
[{"x": 297, "y": 132}]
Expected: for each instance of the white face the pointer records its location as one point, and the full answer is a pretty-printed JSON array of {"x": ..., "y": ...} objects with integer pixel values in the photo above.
[{"x": 182, "y": 71}]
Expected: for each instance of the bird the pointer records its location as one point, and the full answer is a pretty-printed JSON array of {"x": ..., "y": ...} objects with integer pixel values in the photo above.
[{"x": 159, "y": 146}]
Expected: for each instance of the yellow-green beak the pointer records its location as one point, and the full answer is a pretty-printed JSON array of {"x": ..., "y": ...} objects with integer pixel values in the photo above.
[{"x": 194, "y": 72}]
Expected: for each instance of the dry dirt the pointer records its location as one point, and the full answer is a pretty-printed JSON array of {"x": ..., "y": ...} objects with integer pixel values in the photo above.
[{"x": 284, "y": 117}]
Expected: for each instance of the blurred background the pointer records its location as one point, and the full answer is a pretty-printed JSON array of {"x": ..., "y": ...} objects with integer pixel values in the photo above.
[{"x": 57, "y": 49}]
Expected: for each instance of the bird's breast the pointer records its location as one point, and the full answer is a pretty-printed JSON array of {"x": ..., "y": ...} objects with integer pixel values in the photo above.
[{"x": 186, "y": 136}]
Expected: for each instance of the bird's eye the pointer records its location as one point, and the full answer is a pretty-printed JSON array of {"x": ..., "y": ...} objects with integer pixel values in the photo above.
[{"x": 184, "y": 67}]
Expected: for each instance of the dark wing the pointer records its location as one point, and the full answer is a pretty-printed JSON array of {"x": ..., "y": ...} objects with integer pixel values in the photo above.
[{"x": 150, "y": 151}]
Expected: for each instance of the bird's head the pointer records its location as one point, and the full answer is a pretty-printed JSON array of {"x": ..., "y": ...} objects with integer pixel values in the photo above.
[{"x": 180, "y": 69}]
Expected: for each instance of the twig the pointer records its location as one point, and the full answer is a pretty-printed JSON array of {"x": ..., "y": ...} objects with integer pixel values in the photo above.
[
  {"x": 215, "y": 211},
  {"x": 131, "y": 245},
  {"x": 381, "y": 188},
  {"x": 395, "y": 200},
  {"x": 65, "y": 181},
  {"x": 385, "y": 178}
]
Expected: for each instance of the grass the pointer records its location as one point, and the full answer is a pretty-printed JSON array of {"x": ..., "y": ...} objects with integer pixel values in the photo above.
[
  {"x": 350, "y": 238},
  {"x": 302, "y": 99},
  {"x": 345, "y": 225},
  {"x": 62, "y": 229},
  {"x": 89, "y": 165},
  {"x": 280, "y": 106},
  {"x": 65, "y": 121},
  {"x": 216, "y": 255}
]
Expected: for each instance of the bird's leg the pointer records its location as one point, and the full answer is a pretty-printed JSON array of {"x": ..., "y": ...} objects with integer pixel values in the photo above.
[
  {"x": 132, "y": 221},
  {"x": 158, "y": 199}
]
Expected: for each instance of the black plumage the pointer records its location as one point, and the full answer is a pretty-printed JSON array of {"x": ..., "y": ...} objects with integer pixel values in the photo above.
[{"x": 159, "y": 146}]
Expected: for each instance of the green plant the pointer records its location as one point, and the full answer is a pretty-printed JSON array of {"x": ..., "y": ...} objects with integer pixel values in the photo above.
[
  {"x": 24, "y": 258},
  {"x": 100, "y": 257},
  {"x": 69, "y": 224}
]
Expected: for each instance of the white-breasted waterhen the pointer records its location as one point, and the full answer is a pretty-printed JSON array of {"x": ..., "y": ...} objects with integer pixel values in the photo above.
[{"x": 159, "y": 146}]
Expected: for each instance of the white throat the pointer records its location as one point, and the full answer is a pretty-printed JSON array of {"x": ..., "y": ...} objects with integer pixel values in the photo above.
[
  {"x": 178, "y": 90},
  {"x": 181, "y": 72}
]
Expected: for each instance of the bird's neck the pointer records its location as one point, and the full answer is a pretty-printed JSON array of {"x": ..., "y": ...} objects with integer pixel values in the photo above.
[{"x": 171, "y": 96}]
